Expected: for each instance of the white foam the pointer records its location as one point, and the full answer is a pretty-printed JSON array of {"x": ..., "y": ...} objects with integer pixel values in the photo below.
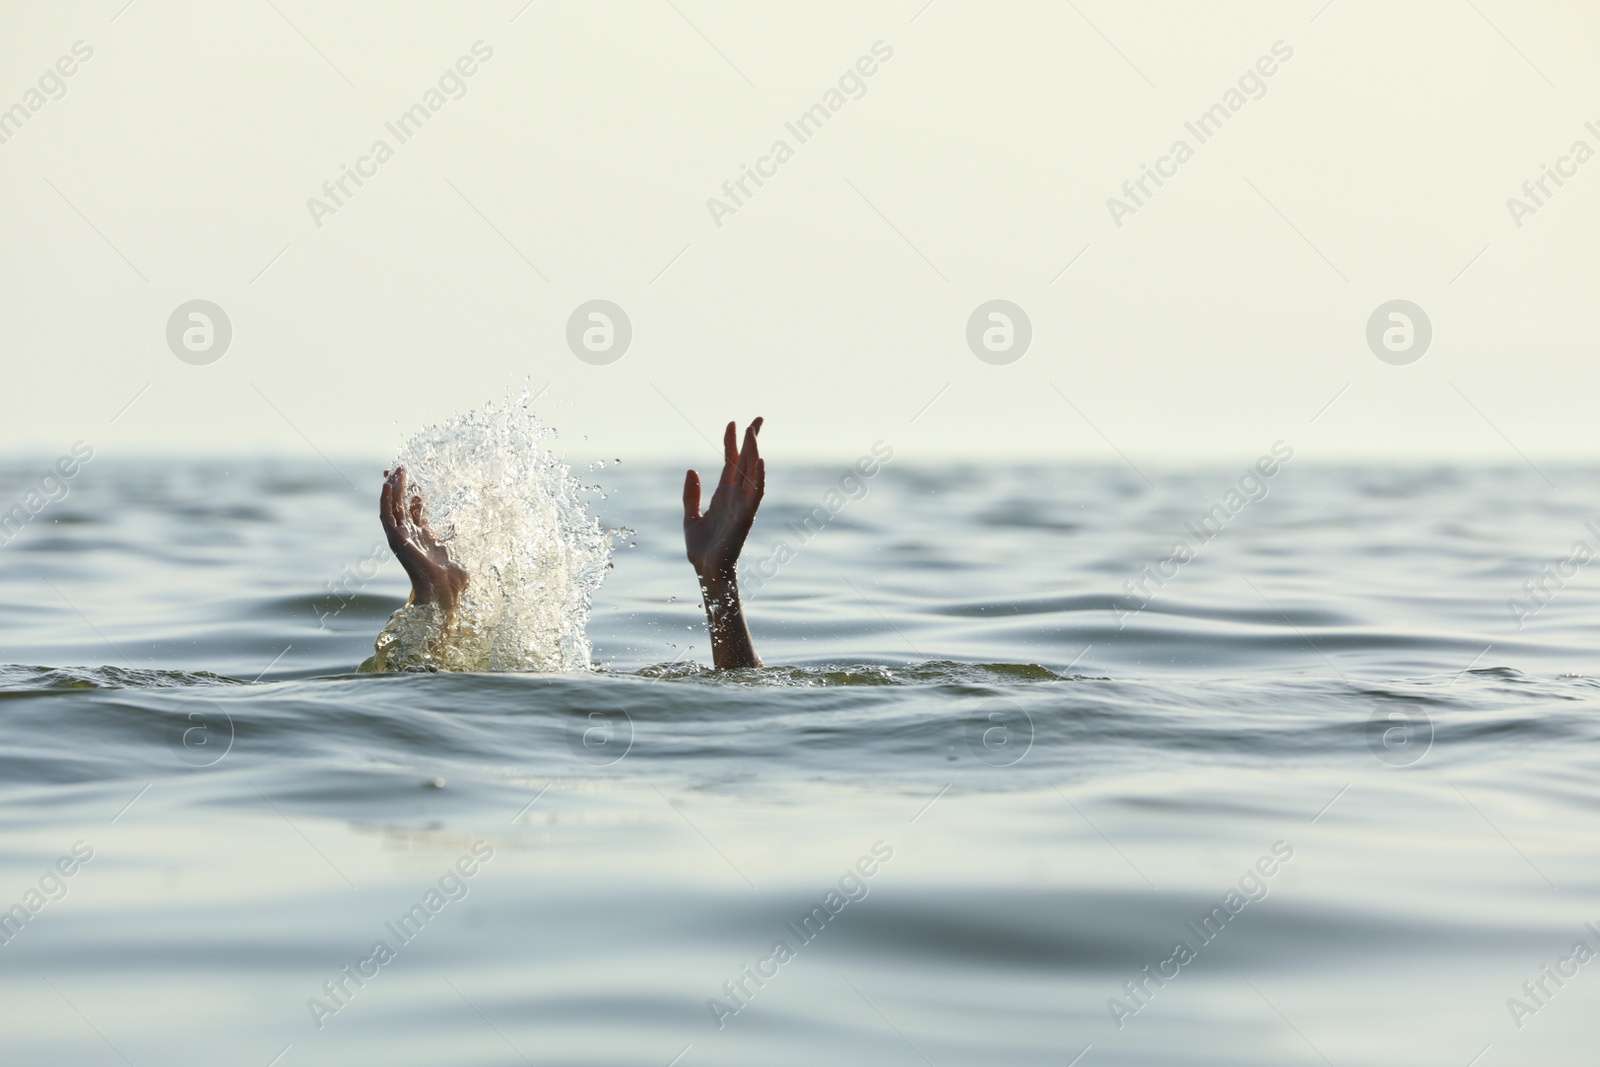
[{"x": 513, "y": 515}]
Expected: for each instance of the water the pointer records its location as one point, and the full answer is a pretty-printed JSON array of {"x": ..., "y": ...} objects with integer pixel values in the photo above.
[
  {"x": 514, "y": 518},
  {"x": 1054, "y": 801}
]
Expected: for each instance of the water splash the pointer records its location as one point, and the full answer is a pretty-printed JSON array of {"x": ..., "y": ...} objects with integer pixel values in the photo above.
[{"x": 513, "y": 515}]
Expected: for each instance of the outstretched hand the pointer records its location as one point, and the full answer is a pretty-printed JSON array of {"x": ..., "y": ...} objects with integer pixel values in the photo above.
[
  {"x": 714, "y": 539},
  {"x": 434, "y": 578}
]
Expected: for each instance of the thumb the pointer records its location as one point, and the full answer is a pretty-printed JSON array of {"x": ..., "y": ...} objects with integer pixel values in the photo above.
[{"x": 691, "y": 496}]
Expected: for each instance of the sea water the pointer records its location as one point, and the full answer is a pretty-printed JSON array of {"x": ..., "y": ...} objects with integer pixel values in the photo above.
[{"x": 1344, "y": 755}]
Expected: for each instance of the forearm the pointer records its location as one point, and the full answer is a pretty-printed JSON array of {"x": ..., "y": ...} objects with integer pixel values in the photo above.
[{"x": 730, "y": 635}]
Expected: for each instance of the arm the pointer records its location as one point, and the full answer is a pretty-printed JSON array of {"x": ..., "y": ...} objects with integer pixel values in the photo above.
[
  {"x": 434, "y": 578},
  {"x": 715, "y": 538}
]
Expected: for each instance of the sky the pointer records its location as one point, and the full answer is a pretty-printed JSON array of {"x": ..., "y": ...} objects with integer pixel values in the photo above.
[{"x": 970, "y": 153}]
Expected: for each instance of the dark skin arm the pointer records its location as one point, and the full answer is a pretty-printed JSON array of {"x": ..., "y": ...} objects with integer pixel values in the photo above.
[
  {"x": 714, "y": 539},
  {"x": 434, "y": 578}
]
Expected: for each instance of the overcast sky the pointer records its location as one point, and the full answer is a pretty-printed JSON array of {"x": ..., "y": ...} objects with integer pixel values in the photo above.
[{"x": 1205, "y": 318}]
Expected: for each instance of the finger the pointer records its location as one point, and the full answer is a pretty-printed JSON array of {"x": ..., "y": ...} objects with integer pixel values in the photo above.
[
  {"x": 429, "y": 540},
  {"x": 398, "y": 479},
  {"x": 741, "y": 478},
  {"x": 756, "y": 487},
  {"x": 691, "y": 496},
  {"x": 730, "y": 462},
  {"x": 748, "y": 502},
  {"x": 388, "y": 511},
  {"x": 410, "y": 498},
  {"x": 750, "y": 453},
  {"x": 749, "y": 456},
  {"x": 386, "y": 505}
]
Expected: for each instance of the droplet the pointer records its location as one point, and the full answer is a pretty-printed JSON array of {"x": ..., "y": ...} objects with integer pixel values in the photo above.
[{"x": 517, "y": 521}]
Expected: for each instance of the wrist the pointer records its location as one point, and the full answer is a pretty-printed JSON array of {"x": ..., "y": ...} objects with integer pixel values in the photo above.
[{"x": 719, "y": 578}]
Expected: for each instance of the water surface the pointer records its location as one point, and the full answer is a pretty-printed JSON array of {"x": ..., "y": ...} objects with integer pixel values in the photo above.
[{"x": 1061, "y": 780}]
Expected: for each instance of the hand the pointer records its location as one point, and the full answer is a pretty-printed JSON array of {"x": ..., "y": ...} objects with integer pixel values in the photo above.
[
  {"x": 434, "y": 578},
  {"x": 714, "y": 539}
]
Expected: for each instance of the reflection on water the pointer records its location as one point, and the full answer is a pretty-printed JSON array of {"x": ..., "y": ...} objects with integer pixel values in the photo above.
[{"x": 1320, "y": 798}]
